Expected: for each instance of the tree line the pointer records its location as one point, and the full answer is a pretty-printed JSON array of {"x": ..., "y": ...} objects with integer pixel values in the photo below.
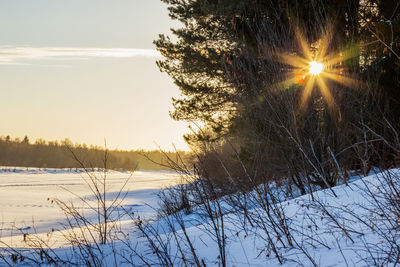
[{"x": 60, "y": 154}]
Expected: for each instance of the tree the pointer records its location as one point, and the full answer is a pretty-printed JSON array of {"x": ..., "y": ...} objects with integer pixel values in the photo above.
[
  {"x": 225, "y": 63},
  {"x": 25, "y": 140}
]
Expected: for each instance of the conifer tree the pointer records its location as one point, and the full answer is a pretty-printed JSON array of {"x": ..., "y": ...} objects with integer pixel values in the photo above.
[{"x": 223, "y": 62}]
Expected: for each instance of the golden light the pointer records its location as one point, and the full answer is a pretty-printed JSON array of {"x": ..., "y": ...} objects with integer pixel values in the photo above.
[
  {"x": 315, "y": 68},
  {"x": 309, "y": 72}
]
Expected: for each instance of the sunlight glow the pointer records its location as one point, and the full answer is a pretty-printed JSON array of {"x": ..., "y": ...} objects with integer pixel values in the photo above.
[
  {"x": 313, "y": 65},
  {"x": 315, "y": 68}
]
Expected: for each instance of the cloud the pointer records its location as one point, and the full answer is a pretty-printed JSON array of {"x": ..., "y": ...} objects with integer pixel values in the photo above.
[{"x": 14, "y": 55}]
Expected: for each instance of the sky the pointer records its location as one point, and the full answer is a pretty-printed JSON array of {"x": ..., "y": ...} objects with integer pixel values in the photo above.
[{"x": 85, "y": 70}]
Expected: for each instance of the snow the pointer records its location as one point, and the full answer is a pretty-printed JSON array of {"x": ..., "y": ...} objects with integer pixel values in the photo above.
[
  {"x": 26, "y": 193},
  {"x": 314, "y": 221}
]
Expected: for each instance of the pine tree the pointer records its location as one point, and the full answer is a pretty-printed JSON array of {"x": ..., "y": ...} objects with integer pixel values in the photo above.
[{"x": 223, "y": 62}]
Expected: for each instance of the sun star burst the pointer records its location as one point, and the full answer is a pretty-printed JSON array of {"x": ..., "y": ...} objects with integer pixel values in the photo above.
[{"x": 314, "y": 67}]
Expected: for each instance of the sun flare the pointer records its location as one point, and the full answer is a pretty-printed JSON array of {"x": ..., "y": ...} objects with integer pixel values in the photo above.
[
  {"x": 315, "y": 68},
  {"x": 312, "y": 66}
]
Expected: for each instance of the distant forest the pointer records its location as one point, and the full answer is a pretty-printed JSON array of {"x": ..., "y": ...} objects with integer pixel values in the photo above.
[{"x": 60, "y": 154}]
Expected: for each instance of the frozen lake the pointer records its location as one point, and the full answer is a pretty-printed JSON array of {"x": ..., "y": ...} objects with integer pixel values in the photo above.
[{"x": 25, "y": 195}]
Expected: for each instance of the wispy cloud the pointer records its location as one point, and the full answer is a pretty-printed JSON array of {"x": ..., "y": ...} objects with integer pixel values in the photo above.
[{"x": 19, "y": 55}]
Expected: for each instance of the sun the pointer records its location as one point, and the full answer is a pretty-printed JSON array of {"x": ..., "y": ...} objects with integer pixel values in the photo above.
[
  {"x": 315, "y": 68},
  {"x": 312, "y": 66}
]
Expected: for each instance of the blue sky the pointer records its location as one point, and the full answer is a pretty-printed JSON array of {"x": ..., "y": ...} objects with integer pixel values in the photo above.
[{"x": 85, "y": 70}]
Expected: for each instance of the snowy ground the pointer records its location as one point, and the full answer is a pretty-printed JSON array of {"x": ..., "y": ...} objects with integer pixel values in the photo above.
[
  {"x": 350, "y": 225},
  {"x": 25, "y": 195},
  {"x": 348, "y": 229}
]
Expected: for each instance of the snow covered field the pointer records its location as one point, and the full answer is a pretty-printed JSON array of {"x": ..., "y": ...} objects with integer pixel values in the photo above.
[
  {"x": 349, "y": 225},
  {"x": 25, "y": 195}
]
